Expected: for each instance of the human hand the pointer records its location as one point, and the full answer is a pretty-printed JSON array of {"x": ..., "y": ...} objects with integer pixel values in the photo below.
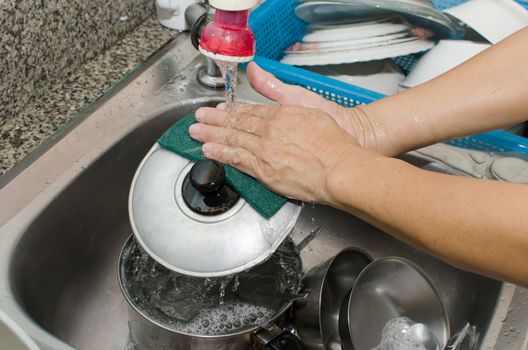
[
  {"x": 290, "y": 149},
  {"x": 368, "y": 132}
]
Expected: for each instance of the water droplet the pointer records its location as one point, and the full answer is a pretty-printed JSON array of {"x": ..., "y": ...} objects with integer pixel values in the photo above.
[{"x": 236, "y": 284}]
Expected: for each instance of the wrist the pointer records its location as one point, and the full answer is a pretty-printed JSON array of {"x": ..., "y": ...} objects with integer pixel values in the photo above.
[
  {"x": 368, "y": 128},
  {"x": 349, "y": 179}
]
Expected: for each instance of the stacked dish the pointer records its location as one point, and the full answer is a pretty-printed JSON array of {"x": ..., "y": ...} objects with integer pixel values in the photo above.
[
  {"x": 357, "y": 42},
  {"x": 348, "y": 31}
]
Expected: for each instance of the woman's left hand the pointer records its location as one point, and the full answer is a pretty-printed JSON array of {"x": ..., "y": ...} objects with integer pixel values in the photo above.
[{"x": 292, "y": 150}]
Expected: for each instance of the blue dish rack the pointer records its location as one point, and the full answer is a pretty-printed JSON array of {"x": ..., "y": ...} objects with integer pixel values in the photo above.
[{"x": 276, "y": 27}]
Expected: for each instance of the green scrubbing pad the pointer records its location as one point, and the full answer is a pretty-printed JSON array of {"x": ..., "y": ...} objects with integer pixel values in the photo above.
[{"x": 177, "y": 140}]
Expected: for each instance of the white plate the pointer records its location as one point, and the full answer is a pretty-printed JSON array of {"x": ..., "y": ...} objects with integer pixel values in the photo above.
[
  {"x": 355, "y": 31},
  {"x": 361, "y": 55},
  {"x": 493, "y": 19},
  {"x": 302, "y": 46},
  {"x": 309, "y": 48},
  {"x": 447, "y": 54}
]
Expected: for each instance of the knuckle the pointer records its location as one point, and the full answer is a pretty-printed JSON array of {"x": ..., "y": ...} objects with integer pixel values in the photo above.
[
  {"x": 230, "y": 138},
  {"x": 235, "y": 158},
  {"x": 249, "y": 125}
]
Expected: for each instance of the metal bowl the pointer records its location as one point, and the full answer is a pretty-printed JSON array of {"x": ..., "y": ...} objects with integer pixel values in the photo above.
[
  {"x": 389, "y": 288},
  {"x": 316, "y": 318}
]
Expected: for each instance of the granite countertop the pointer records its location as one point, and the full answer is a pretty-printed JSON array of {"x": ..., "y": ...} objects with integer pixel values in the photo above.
[{"x": 43, "y": 117}]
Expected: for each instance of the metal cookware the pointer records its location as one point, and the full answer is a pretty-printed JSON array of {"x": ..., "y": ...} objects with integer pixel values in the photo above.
[
  {"x": 389, "y": 289},
  {"x": 327, "y": 284},
  {"x": 179, "y": 221},
  {"x": 169, "y": 311}
]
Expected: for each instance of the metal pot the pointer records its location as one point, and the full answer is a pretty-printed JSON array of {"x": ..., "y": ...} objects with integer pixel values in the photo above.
[
  {"x": 154, "y": 334},
  {"x": 317, "y": 317}
]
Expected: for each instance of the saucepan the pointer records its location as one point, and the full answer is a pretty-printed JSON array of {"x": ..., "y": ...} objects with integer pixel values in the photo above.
[{"x": 178, "y": 312}]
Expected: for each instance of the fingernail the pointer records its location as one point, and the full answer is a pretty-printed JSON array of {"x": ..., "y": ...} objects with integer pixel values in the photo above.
[
  {"x": 194, "y": 129},
  {"x": 222, "y": 106},
  {"x": 199, "y": 114}
]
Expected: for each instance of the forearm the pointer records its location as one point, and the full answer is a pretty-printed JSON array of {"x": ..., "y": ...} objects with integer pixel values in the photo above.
[
  {"x": 485, "y": 93},
  {"x": 477, "y": 225}
]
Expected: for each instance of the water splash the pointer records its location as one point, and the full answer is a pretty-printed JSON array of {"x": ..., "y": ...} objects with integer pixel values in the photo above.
[{"x": 212, "y": 306}]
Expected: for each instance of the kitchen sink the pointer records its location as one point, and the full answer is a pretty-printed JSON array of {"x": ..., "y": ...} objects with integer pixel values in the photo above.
[{"x": 64, "y": 219}]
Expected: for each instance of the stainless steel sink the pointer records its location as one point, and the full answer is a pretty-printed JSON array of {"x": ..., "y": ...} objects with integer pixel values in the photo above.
[{"x": 63, "y": 220}]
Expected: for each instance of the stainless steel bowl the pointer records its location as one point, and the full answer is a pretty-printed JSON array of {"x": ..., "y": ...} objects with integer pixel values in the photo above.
[
  {"x": 316, "y": 318},
  {"x": 389, "y": 288}
]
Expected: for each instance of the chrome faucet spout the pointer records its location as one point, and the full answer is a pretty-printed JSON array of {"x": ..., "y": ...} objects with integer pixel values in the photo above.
[{"x": 197, "y": 16}]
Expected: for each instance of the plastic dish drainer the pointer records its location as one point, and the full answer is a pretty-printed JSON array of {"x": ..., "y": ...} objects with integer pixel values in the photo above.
[{"x": 276, "y": 27}]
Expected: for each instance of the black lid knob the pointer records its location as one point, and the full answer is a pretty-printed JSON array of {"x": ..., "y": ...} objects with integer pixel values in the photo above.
[
  {"x": 207, "y": 176},
  {"x": 204, "y": 189}
]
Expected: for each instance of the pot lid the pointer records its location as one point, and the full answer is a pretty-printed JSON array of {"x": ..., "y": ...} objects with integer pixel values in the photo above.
[{"x": 187, "y": 219}]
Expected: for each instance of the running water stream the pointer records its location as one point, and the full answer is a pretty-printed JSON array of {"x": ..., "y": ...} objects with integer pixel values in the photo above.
[{"x": 230, "y": 74}]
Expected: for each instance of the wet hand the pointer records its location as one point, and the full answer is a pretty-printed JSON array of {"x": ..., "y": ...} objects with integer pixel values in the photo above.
[
  {"x": 365, "y": 129},
  {"x": 292, "y": 150}
]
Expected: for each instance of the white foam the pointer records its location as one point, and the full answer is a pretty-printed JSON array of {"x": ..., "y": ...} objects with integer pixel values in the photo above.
[
  {"x": 225, "y": 319},
  {"x": 401, "y": 334}
]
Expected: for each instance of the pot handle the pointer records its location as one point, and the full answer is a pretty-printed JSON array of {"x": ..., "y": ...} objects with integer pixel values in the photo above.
[
  {"x": 272, "y": 337},
  {"x": 285, "y": 341}
]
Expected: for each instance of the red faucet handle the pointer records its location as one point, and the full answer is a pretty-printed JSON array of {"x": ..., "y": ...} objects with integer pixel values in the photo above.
[{"x": 228, "y": 37}]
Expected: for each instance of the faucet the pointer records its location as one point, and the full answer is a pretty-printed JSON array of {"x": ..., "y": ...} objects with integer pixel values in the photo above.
[{"x": 226, "y": 37}]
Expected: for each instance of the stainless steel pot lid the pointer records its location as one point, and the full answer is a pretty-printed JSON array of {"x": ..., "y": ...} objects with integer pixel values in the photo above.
[{"x": 192, "y": 243}]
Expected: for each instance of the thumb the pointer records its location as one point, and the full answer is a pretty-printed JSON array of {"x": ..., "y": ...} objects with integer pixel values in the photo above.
[{"x": 268, "y": 85}]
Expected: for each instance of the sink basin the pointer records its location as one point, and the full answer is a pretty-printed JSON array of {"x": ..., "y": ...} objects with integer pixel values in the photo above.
[{"x": 64, "y": 218}]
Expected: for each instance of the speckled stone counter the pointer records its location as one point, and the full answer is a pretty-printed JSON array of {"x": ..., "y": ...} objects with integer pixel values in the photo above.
[
  {"x": 42, "y": 42},
  {"x": 43, "y": 116}
]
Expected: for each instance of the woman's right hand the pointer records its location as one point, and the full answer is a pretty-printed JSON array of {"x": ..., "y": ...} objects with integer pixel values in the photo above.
[{"x": 365, "y": 129}]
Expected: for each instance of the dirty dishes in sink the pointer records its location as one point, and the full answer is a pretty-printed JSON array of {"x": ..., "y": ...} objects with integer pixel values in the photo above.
[
  {"x": 316, "y": 317},
  {"x": 390, "y": 297}
]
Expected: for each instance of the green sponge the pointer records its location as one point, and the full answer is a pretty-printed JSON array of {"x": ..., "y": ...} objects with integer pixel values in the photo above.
[{"x": 177, "y": 140}]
